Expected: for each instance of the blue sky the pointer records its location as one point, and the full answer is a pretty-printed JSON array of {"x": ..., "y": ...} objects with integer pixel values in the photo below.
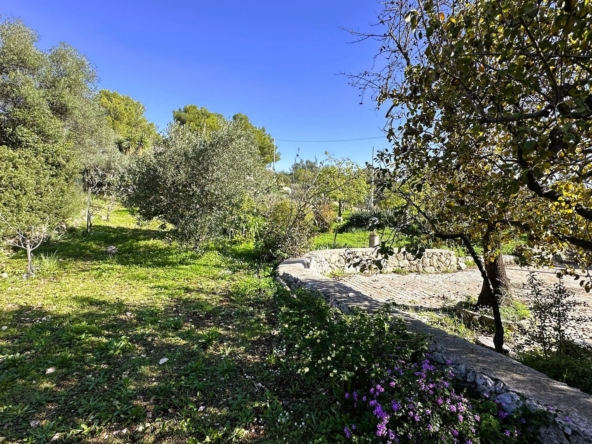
[{"x": 277, "y": 62}]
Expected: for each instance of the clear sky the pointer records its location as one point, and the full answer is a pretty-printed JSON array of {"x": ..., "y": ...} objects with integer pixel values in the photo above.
[{"x": 278, "y": 62}]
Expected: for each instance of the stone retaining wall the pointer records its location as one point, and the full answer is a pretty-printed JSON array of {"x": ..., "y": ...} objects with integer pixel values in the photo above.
[
  {"x": 495, "y": 375},
  {"x": 433, "y": 261}
]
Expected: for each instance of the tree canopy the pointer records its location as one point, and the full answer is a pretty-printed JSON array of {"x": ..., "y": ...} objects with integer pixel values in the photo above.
[
  {"x": 43, "y": 98},
  {"x": 134, "y": 132},
  {"x": 204, "y": 122},
  {"x": 197, "y": 184},
  {"x": 507, "y": 83}
]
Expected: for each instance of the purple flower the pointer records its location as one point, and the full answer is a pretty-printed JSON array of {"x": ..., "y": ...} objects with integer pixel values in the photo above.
[
  {"x": 440, "y": 401},
  {"x": 347, "y": 433},
  {"x": 523, "y": 421},
  {"x": 428, "y": 412},
  {"x": 364, "y": 398},
  {"x": 477, "y": 418},
  {"x": 454, "y": 432},
  {"x": 347, "y": 396},
  {"x": 392, "y": 384},
  {"x": 353, "y": 427},
  {"x": 507, "y": 433},
  {"x": 503, "y": 415},
  {"x": 396, "y": 406},
  {"x": 460, "y": 418},
  {"x": 453, "y": 408}
]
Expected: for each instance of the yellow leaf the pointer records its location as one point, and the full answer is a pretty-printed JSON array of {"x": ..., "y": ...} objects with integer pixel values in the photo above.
[{"x": 442, "y": 16}]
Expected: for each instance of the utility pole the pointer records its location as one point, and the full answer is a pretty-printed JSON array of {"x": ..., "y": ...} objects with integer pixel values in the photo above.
[
  {"x": 273, "y": 155},
  {"x": 372, "y": 183}
]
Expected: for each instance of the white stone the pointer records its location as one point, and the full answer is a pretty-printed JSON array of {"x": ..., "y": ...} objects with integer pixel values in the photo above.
[
  {"x": 163, "y": 360},
  {"x": 510, "y": 401}
]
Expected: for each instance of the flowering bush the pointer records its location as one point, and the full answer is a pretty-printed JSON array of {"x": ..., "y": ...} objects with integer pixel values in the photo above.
[
  {"x": 379, "y": 382},
  {"x": 416, "y": 402}
]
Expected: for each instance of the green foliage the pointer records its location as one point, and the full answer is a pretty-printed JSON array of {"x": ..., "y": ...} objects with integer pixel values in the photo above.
[
  {"x": 46, "y": 98},
  {"x": 343, "y": 181},
  {"x": 573, "y": 366},
  {"x": 196, "y": 184},
  {"x": 134, "y": 133},
  {"x": 552, "y": 346},
  {"x": 322, "y": 344},
  {"x": 288, "y": 230},
  {"x": 205, "y": 122},
  {"x": 504, "y": 127}
]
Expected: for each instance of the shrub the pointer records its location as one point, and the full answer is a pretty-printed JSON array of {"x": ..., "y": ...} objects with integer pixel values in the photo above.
[
  {"x": 324, "y": 217},
  {"x": 288, "y": 232},
  {"x": 386, "y": 386},
  {"x": 197, "y": 184}
]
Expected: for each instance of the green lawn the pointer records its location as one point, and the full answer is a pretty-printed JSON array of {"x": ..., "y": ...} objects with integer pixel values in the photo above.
[{"x": 83, "y": 343}]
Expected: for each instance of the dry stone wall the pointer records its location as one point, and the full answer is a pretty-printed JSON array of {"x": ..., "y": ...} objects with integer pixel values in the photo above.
[
  {"x": 432, "y": 261},
  {"x": 494, "y": 375}
]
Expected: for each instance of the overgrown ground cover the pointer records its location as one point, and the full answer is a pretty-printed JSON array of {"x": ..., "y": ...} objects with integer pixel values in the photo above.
[
  {"x": 159, "y": 344},
  {"x": 81, "y": 357}
]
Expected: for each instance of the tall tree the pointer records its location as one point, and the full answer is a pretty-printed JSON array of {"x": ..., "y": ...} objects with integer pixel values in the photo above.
[
  {"x": 134, "y": 132},
  {"x": 512, "y": 82},
  {"x": 204, "y": 122},
  {"x": 43, "y": 102}
]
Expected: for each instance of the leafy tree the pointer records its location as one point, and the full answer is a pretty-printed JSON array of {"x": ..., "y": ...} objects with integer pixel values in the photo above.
[
  {"x": 511, "y": 81},
  {"x": 344, "y": 181},
  {"x": 265, "y": 143},
  {"x": 205, "y": 122},
  {"x": 500, "y": 89},
  {"x": 43, "y": 100},
  {"x": 135, "y": 133},
  {"x": 199, "y": 120},
  {"x": 197, "y": 184}
]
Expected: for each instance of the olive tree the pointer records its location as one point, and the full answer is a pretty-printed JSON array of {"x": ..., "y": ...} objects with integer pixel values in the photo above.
[
  {"x": 43, "y": 100},
  {"x": 197, "y": 184}
]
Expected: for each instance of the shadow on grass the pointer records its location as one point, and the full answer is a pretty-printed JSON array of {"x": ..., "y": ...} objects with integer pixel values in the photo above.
[{"x": 101, "y": 369}]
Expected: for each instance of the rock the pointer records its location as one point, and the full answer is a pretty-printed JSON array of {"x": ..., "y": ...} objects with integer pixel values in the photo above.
[
  {"x": 552, "y": 435},
  {"x": 4, "y": 275},
  {"x": 111, "y": 250},
  {"x": 471, "y": 377},
  {"x": 500, "y": 387},
  {"x": 510, "y": 401},
  {"x": 484, "y": 383},
  {"x": 461, "y": 266},
  {"x": 459, "y": 371},
  {"x": 438, "y": 358}
]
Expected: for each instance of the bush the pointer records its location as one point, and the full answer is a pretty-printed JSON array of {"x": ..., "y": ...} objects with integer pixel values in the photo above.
[
  {"x": 324, "y": 217},
  {"x": 196, "y": 183},
  {"x": 384, "y": 383},
  {"x": 288, "y": 232}
]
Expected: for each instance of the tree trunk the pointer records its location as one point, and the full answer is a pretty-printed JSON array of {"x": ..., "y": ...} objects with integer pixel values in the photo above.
[
  {"x": 495, "y": 291},
  {"x": 496, "y": 271},
  {"x": 340, "y": 210},
  {"x": 89, "y": 212},
  {"x": 29, "y": 258}
]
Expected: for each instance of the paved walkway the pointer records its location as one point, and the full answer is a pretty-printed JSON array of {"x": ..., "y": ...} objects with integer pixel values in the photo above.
[{"x": 433, "y": 291}]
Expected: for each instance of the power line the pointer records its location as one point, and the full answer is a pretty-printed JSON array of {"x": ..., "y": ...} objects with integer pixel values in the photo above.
[{"x": 329, "y": 141}]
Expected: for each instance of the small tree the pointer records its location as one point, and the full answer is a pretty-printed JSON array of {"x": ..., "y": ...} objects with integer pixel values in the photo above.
[
  {"x": 197, "y": 184},
  {"x": 343, "y": 181}
]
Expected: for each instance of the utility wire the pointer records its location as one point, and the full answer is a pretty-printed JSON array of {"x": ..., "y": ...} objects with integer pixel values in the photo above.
[{"x": 329, "y": 141}]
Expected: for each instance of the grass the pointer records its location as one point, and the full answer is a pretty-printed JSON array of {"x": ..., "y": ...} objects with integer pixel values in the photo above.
[{"x": 156, "y": 344}]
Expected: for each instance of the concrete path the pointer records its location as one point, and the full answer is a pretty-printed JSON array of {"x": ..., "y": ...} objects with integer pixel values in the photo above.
[{"x": 437, "y": 290}]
